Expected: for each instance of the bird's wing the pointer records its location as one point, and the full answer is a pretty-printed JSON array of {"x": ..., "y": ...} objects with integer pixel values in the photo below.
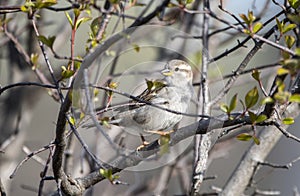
[{"x": 153, "y": 88}]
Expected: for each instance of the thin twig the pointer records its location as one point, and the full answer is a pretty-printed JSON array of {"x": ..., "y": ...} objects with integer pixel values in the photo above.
[
  {"x": 27, "y": 59},
  {"x": 30, "y": 156},
  {"x": 49, "y": 66},
  {"x": 91, "y": 111},
  {"x": 147, "y": 102},
  {"x": 240, "y": 44},
  {"x": 241, "y": 67},
  {"x": 20, "y": 84},
  {"x": 255, "y": 36},
  {"x": 44, "y": 172},
  {"x": 36, "y": 158},
  {"x": 285, "y": 132}
]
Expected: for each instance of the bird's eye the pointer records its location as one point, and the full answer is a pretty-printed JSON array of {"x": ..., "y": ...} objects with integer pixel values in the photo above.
[{"x": 176, "y": 69}]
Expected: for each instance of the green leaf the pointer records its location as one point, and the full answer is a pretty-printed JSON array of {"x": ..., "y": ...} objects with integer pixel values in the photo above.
[
  {"x": 47, "y": 41},
  {"x": 105, "y": 121},
  {"x": 251, "y": 98},
  {"x": 295, "y": 18},
  {"x": 261, "y": 118},
  {"x": 113, "y": 85},
  {"x": 164, "y": 144},
  {"x": 247, "y": 31},
  {"x": 288, "y": 121},
  {"x": 279, "y": 25},
  {"x": 24, "y": 8},
  {"x": 45, "y": 3},
  {"x": 282, "y": 96},
  {"x": 244, "y": 137},
  {"x": 157, "y": 84},
  {"x": 244, "y": 18},
  {"x": 72, "y": 120},
  {"x": 285, "y": 55},
  {"x": 280, "y": 85},
  {"x": 251, "y": 17},
  {"x": 256, "y": 75},
  {"x": 149, "y": 84},
  {"x": 256, "y": 140},
  {"x": 106, "y": 173},
  {"x": 66, "y": 73},
  {"x": 224, "y": 107},
  {"x": 189, "y": 1},
  {"x": 257, "y": 26},
  {"x": 95, "y": 25},
  {"x": 291, "y": 62},
  {"x": 295, "y": 98},
  {"x": 297, "y": 51},
  {"x": 267, "y": 100},
  {"x": 77, "y": 64},
  {"x": 82, "y": 20},
  {"x": 136, "y": 47},
  {"x": 34, "y": 58},
  {"x": 69, "y": 19},
  {"x": 282, "y": 71},
  {"x": 294, "y": 3},
  {"x": 289, "y": 40},
  {"x": 288, "y": 27},
  {"x": 153, "y": 85},
  {"x": 233, "y": 103},
  {"x": 252, "y": 116},
  {"x": 76, "y": 12},
  {"x": 81, "y": 116}
]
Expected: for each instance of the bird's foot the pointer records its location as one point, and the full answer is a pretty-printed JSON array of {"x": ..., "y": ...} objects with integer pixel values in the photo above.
[{"x": 143, "y": 145}]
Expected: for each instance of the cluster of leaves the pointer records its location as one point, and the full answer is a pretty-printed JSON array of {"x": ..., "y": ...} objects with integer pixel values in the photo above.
[
  {"x": 95, "y": 27},
  {"x": 290, "y": 65},
  {"x": 251, "y": 98},
  {"x": 252, "y": 26},
  {"x": 77, "y": 21},
  {"x": 107, "y": 173},
  {"x": 32, "y": 6}
]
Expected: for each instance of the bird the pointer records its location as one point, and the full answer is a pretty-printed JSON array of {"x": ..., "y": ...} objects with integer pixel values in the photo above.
[{"x": 173, "y": 92}]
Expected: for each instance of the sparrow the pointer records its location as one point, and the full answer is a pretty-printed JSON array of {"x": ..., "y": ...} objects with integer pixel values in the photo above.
[{"x": 173, "y": 92}]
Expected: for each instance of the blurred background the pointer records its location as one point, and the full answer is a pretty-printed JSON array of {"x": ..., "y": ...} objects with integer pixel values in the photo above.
[{"x": 147, "y": 51}]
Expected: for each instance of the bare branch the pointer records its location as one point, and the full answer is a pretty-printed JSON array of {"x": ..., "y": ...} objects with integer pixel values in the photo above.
[
  {"x": 202, "y": 142},
  {"x": 30, "y": 156},
  {"x": 286, "y": 133}
]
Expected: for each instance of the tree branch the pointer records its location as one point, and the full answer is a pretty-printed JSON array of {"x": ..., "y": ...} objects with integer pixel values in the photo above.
[{"x": 202, "y": 143}]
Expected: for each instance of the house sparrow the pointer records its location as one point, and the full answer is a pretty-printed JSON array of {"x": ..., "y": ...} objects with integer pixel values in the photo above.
[{"x": 173, "y": 92}]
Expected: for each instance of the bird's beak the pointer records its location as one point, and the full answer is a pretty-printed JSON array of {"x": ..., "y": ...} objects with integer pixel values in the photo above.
[{"x": 166, "y": 72}]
